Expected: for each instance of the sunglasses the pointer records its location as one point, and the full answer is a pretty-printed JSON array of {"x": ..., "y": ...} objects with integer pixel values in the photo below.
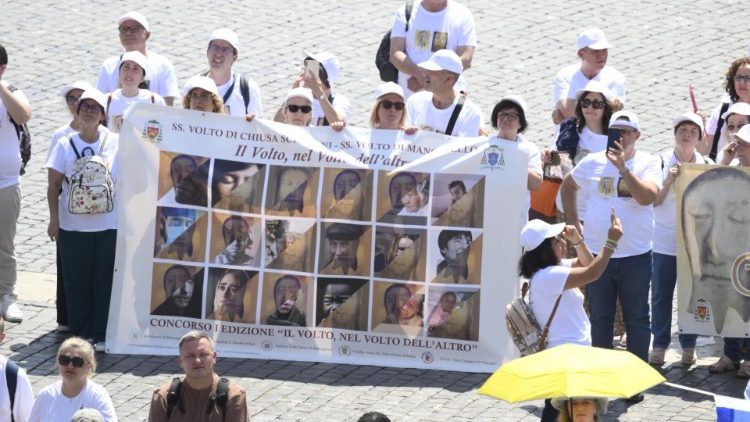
[
  {"x": 295, "y": 108},
  {"x": 72, "y": 99},
  {"x": 78, "y": 362},
  {"x": 398, "y": 105},
  {"x": 597, "y": 104}
]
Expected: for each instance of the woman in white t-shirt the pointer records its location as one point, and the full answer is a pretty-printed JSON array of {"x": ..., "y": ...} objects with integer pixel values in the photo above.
[
  {"x": 132, "y": 75},
  {"x": 58, "y": 402},
  {"x": 553, "y": 278},
  {"x": 85, "y": 225},
  {"x": 201, "y": 94},
  {"x": 737, "y": 87},
  {"x": 298, "y": 107}
]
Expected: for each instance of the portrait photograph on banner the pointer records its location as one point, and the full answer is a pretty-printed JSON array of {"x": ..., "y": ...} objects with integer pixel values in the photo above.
[
  {"x": 346, "y": 194},
  {"x": 292, "y": 191},
  {"x": 342, "y": 303},
  {"x": 237, "y": 186},
  {"x": 232, "y": 295},
  {"x": 398, "y": 308},
  {"x": 176, "y": 290},
  {"x": 458, "y": 200},
  {"x": 286, "y": 300},
  {"x": 403, "y": 198},
  {"x": 400, "y": 253},
  {"x": 183, "y": 179}
]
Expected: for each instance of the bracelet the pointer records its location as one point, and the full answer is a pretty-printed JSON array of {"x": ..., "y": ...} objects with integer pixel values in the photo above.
[
  {"x": 624, "y": 172},
  {"x": 576, "y": 244},
  {"x": 611, "y": 244}
]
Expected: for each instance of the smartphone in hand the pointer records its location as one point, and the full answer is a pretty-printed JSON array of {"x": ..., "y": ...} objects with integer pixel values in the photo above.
[{"x": 613, "y": 135}]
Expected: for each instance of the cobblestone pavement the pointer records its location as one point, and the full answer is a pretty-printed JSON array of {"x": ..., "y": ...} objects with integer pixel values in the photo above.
[{"x": 660, "y": 47}]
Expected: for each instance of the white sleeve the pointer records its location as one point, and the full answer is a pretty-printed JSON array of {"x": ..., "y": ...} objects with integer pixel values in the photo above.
[
  {"x": 342, "y": 105},
  {"x": 470, "y": 124},
  {"x": 581, "y": 172},
  {"x": 159, "y": 100},
  {"x": 652, "y": 172},
  {"x": 170, "y": 88},
  {"x": 469, "y": 31},
  {"x": 256, "y": 100},
  {"x": 56, "y": 159},
  {"x": 535, "y": 159},
  {"x": 552, "y": 282},
  {"x": 39, "y": 409},
  {"x": 103, "y": 84},
  {"x": 411, "y": 111},
  {"x": 398, "y": 29},
  {"x": 560, "y": 88},
  {"x": 103, "y": 403},
  {"x": 24, "y": 397},
  {"x": 713, "y": 121}
]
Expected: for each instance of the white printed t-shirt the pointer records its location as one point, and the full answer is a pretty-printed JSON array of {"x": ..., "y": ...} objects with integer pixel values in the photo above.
[
  {"x": 570, "y": 323},
  {"x": 235, "y": 103},
  {"x": 10, "y": 146},
  {"x": 120, "y": 104},
  {"x": 603, "y": 182},
  {"x": 52, "y": 406},
  {"x": 24, "y": 396},
  {"x": 588, "y": 142},
  {"x": 570, "y": 79},
  {"x": 61, "y": 160},
  {"x": 160, "y": 74},
  {"x": 450, "y": 28},
  {"x": 422, "y": 113},
  {"x": 340, "y": 103},
  {"x": 65, "y": 130}
]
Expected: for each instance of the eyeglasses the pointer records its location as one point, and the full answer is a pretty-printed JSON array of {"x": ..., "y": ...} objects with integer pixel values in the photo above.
[
  {"x": 90, "y": 107},
  {"x": 597, "y": 104},
  {"x": 738, "y": 126},
  {"x": 293, "y": 108},
  {"x": 72, "y": 99},
  {"x": 200, "y": 95},
  {"x": 398, "y": 105},
  {"x": 740, "y": 78},
  {"x": 130, "y": 29},
  {"x": 508, "y": 116},
  {"x": 77, "y": 362},
  {"x": 223, "y": 50}
]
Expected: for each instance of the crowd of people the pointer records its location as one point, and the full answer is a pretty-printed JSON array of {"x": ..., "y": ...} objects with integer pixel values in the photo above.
[{"x": 620, "y": 197}]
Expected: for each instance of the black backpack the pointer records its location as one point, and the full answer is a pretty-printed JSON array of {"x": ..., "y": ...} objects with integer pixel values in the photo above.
[
  {"x": 174, "y": 397},
  {"x": 24, "y": 138},
  {"x": 388, "y": 72},
  {"x": 11, "y": 378}
]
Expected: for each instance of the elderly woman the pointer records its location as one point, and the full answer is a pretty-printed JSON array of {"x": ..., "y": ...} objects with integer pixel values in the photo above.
[
  {"x": 58, "y": 402},
  {"x": 132, "y": 75},
  {"x": 200, "y": 93},
  {"x": 688, "y": 130},
  {"x": 737, "y": 87},
  {"x": 298, "y": 107},
  {"x": 85, "y": 224},
  {"x": 554, "y": 281},
  {"x": 580, "y": 409}
]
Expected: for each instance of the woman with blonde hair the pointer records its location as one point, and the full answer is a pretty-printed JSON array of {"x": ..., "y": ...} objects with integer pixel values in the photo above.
[
  {"x": 200, "y": 93},
  {"x": 58, "y": 402}
]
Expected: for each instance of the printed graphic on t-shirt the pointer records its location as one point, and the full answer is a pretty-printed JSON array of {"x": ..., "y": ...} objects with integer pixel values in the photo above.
[
  {"x": 439, "y": 41},
  {"x": 623, "y": 191},
  {"x": 606, "y": 186},
  {"x": 422, "y": 39}
]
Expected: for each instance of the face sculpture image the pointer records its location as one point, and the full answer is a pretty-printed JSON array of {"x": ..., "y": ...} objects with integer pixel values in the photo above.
[
  {"x": 716, "y": 229},
  {"x": 399, "y": 185},
  {"x": 291, "y": 189},
  {"x": 286, "y": 292},
  {"x": 403, "y": 258},
  {"x": 238, "y": 240},
  {"x": 347, "y": 192},
  {"x": 396, "y": 296},
  {"x": 454, "y": 246},
  {"x": 178, "y": 286},
  {"x": 233, "y": 185},
  {"x": 190, "y": 180}
]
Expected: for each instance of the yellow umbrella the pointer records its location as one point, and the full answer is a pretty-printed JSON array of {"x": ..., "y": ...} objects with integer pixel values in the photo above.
[{"x": 571, "y": 370}]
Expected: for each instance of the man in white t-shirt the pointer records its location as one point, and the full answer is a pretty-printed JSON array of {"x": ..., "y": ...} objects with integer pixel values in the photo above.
[
  {"x": 433, "y": 25},
  {"x": 241, "y": 94},
  {"x": 593, "y": 49},
  {"x": 13, "y": 105},
  {"x": 160, "y": 75},
  {"x": 433, "y": 108},
  {"x": 626, "y": 180},
  {"x": 23, "y": 398}
]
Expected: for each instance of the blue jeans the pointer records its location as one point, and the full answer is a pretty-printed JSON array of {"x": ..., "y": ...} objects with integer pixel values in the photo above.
[
  {"x": 629, "y": 278},
  {"x": 662, "y": 291}
]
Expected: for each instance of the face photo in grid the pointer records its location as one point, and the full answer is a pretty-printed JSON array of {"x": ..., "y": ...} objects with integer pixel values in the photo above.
[
  {"x": 292, "y": 191},
  {"x": 180, "y": 234},
  {"x": 231, "y": 295},
  {"x": 342, "y": 303},
  {"x": 455, "y": 256},
  {"x": 235, "y": 240},
  {"x": 345, "y": 249},
  {"x": 458, "y": 200},
  {"x": 398, "y": 308},
  {"x": 453, "y": 314},
  {"x": 400, "y": 253},
  {"x": 183, "y": 179},
  {"x": 287, "y": 300},
  {"x": 237, "y": 186},
  {"x": 403, "y": 198},
  {"x": 176, "y": 290},
  {"x": 290, "y": 244},
  {"x": 347, "y": 194}
]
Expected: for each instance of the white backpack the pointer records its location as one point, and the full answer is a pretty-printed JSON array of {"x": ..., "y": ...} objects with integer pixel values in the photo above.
[
  {"x": 91, "y": 190},
  {"x": 525, "y": 331}
]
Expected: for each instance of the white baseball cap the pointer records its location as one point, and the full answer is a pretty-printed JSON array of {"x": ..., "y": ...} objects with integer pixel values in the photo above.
[
  {"x": 202, "y": 82},
  {"x": 134, "y": 16},
  {"x": 389, "y": 88},
  {"x": 689, "y": 117},
  {"x": 535, "y": 231},
  {"x": 300, "y": 92},
  {"x": 329, "y": 62},
  {"x": 82, "y": 85},
  {"x": 96, "y": 95},
  {"x": 516, "y": 99},
  {"x": 743, "y": 133},
  {"x": 592, "y": 38},
  {"x": 227, "y": 35},
  {"x": 595, "y": 86},
  {"x": 443, "y": 60},
  {"x": 737, "y": 108},
  {"x": 625, "y": 118},
  {"x": 134, "y": 56}
]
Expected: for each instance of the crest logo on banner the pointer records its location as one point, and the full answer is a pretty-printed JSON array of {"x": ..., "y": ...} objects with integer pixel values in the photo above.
[
  {"x": 152, "y": 131},
  {"x": 493, "y": 158},
  {"x": 702, "y": 312}
]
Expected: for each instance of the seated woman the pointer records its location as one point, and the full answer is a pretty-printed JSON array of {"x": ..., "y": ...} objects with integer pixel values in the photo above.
[
  {"x": 75, "y": 390},
  {"x": 132, "y": 75},
  {"x": 580, "y": 409},
  {"x": 200, "y": 93}
]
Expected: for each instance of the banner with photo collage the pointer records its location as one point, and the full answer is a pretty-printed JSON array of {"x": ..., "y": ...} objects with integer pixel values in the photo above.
[{"x": 283, "y": 242}]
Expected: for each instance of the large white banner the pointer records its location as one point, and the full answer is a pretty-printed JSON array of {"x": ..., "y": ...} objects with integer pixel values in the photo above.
[
  {"x": 713, "y": 250},
  {"x": 363, "y": 247}
]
